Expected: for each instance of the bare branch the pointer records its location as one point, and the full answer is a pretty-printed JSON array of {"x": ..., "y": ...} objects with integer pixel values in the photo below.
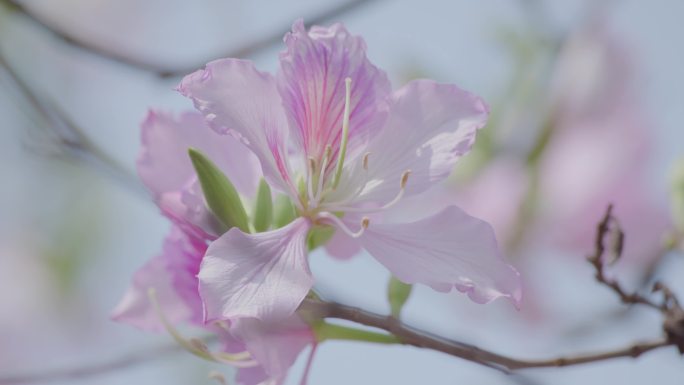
[
  {"x": 165, "y": 71},
  {"x": 407, "y": 334},
  {"x": 415, "y": 337},
  {"x": 597, "y": 260}
]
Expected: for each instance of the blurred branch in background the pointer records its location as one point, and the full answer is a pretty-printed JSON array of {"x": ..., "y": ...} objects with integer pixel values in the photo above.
[
  {"x": 65, "y": 139},
  {"x": 83, "y": 372},
  {"x": 160, "y": 69}
]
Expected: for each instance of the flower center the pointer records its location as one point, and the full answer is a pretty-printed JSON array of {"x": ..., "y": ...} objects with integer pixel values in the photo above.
[{"x": 319, "y": 182}]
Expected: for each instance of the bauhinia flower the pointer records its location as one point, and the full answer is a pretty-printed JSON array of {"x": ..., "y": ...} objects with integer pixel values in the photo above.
[
  {"x": 329, "y": 132},
  {"x": 171, "y": 276}
]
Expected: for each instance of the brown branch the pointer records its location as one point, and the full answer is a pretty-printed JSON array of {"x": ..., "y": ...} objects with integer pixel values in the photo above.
[
  {"x": 407, "y": 334},
  {"x": 411, "y": 336},
  {"x": 598, "y": 261},
  {"x": 164, "y": 70}
]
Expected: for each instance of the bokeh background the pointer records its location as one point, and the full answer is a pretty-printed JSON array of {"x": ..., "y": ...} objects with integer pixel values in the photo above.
[{"x": 586, "y": 110}]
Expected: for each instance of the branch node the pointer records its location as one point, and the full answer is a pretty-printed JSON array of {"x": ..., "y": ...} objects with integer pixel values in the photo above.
[{"x": 674, "y": 328}]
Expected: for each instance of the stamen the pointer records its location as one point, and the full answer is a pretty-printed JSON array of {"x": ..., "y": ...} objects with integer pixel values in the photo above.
[
  {"x": 307, "y": 369},
  {"x": 309, "y": 183},
  {"x": 227, "y": 358},
  {"x": 404, "y": 178},
  {"x": 365, "y": 161},
  {"x": 321, "y": 176},
  {"x": 397, "y": 198},
  {"x": 339, "y": 224},
  {"x": 365, "y": 222},
  {"x": 196, "y": 346},
  {"x": 345, "y": 132}
]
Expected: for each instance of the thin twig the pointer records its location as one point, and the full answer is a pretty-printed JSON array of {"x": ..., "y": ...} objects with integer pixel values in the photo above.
[
  {"x": 597, "y": 260},
  {"x": 411, "y": 336},
  {"x": 164, "y": 70}
]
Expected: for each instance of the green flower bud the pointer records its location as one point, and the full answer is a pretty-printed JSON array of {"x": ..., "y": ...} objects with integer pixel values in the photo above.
[{"x": 220, "y": 194}]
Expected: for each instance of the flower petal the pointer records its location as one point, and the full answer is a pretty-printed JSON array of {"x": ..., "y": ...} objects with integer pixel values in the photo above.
[
  {"x": 254, "y": 376},
  {"x": 235, "y": 97},
  {"x": 429, "y": 128},
  {"x": 275, "y": 345},
  {"x": 173, "y": 276},
  {"x": 445, "y": 250},
  {"x": 342, "y": 246},
  {"x": 263, "y": 275},
  {"x": 311, "y": 83},
  {"x": 166, "y": 170}
]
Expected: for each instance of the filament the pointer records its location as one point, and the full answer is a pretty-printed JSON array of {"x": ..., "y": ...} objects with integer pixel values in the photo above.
[
  {"x": 197, "y": 346},
  {"x": 394, "y": 201},
  {"x": 321, "y": 176},
  {"x": 337, "y": 222},
  {"x": 345, "y": 132},
  {"x": 311, "y": 165}
]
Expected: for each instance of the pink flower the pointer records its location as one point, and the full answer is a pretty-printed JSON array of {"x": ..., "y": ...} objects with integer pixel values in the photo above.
[
  {"x": 328, "y": 131},
  {"x": 167, "y": 171}
]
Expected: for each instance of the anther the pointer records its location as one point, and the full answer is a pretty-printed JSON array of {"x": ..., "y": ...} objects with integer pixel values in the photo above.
[
  {"x": 404, "y": 178},
  {"x": 218, "y": 377},
  {"x": 365, "y": 161}
]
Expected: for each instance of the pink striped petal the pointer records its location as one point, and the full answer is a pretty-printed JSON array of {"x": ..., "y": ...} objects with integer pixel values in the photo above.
[
  {"x": 275, "y": 345},
  {"x": 172, "y": 275},
  {"x": 342, "y": 246},
  {"x": 235, "y": 97},
  {"x": 429, "y": 128},
  {"x": 311, "y": 83},
  {"x": 264, "y": 275},
  {"x": 449, "y": 249}
]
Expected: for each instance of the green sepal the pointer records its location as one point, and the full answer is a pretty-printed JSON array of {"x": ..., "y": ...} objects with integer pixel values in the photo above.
[
  {"x": 319, "y": 236},
  {"x": 397, "y": 294},
  {"x": 220, "y": 194},
  {"x": 263, "y": 208},
  {"x": 326, "y": 331},
  {"x": 283, "y": 211}
]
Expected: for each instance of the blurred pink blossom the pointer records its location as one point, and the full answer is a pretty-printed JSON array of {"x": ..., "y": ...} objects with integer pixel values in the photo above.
[{"x": 600, "y": 150}]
